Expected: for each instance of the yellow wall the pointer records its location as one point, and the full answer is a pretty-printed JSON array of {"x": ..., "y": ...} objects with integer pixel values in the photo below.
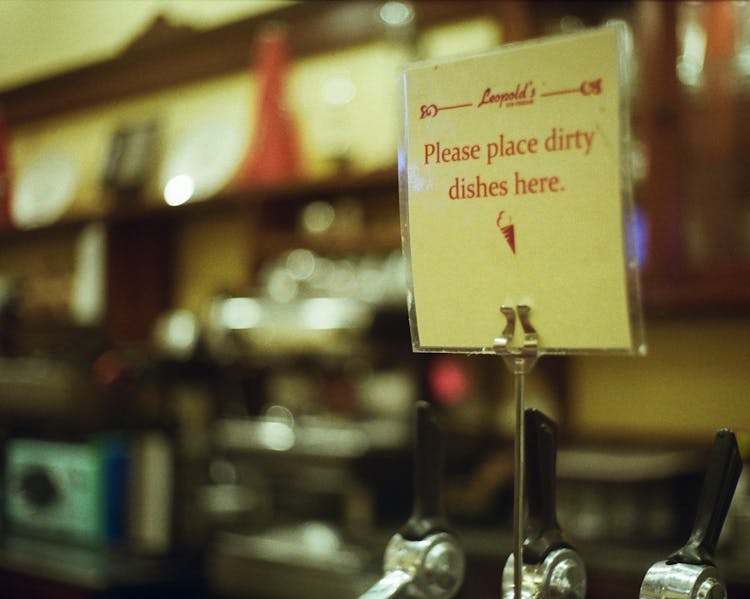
[
  {"x": 42, "y": 37},
  {"x": 695, "y": 380}
]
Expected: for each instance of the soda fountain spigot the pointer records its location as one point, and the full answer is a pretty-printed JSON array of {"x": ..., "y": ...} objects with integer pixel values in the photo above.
[
  {"x": 690, "y": 572},
  {"x": 424, "y": 559},
  {"x": 551, "y": 569}
]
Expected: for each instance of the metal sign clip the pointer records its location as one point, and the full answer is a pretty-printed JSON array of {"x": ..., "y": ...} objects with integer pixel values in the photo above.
[{"x": 529, "y": 351}]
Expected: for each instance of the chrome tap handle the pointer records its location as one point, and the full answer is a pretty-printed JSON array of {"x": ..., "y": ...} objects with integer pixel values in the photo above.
[
  {"x": 427, "y": 513},
  {"x": 424, "y": 559},
  {"x": 551, "y": 568},
  {"x": 393, "y": 585},
  {"x": 431, "y": 568},
  {"x": 543, "y": 533},
  {"x": 724, "y": 468},
  {"x": 690, "y": 572}
]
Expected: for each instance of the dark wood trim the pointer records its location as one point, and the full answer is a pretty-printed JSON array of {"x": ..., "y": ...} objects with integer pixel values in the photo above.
[
  {"x": 660, "y": 128},
  {"x": 167, "y": 55},
  {"x": 139, "y": 286},
  {"x": 377, "y": 181},
  {"x": 721, "y": 289}
]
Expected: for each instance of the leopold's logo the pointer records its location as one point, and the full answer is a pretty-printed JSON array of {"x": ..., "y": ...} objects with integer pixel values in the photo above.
[{"x": 522, "y": 94}]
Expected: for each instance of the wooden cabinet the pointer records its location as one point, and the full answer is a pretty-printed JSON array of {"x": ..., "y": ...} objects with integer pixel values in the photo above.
[{"x": 694, "y": 198}]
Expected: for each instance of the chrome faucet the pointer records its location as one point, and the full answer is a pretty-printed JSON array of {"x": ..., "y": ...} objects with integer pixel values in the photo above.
[
  {"x": 690, "y": 572},
  {"x": 551, "y": 568},
  {"x": 424, "y": 559}
]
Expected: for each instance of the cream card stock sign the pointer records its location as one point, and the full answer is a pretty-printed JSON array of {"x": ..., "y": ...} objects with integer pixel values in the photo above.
[{"x": 515, "y": 190}]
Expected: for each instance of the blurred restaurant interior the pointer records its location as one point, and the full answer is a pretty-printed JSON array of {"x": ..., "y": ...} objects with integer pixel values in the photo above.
[{"x": 206, "y": 373}]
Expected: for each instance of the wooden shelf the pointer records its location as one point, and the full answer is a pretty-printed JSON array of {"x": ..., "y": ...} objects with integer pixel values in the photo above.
[
  {"x": 371, "y": 239},
  {"x": 142, "y": 209},
  {"x": 722, "y": 290}
]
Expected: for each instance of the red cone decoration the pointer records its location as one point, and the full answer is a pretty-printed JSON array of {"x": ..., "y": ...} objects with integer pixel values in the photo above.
[{"x": 274, "y": 155}]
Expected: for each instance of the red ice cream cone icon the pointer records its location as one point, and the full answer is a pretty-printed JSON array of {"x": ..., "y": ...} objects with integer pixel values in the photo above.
[
  {"x": 508, "y": 229},
  {"x": 509, "y": 232}
]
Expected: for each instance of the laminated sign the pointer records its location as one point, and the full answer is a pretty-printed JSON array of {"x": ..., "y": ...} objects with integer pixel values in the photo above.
[{"x": 515, "y": 190}]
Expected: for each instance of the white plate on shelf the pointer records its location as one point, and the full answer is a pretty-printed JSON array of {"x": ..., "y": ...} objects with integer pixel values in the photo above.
[
  {"x": 44, "y": 190},
  {"x": 203, "y": 160}
]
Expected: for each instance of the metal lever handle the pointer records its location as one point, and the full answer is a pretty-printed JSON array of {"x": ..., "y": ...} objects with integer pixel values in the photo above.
[
  {"x": 427, "y": 514},
  {"x": 543, "y": 533},
  {"x": 724, "y": 468},
  {"x": 689, "y": 573},
  {"x": 393, "y": 585},
  {"x": 424, "y": 559},
  {"x": 551, "y": 568}
]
